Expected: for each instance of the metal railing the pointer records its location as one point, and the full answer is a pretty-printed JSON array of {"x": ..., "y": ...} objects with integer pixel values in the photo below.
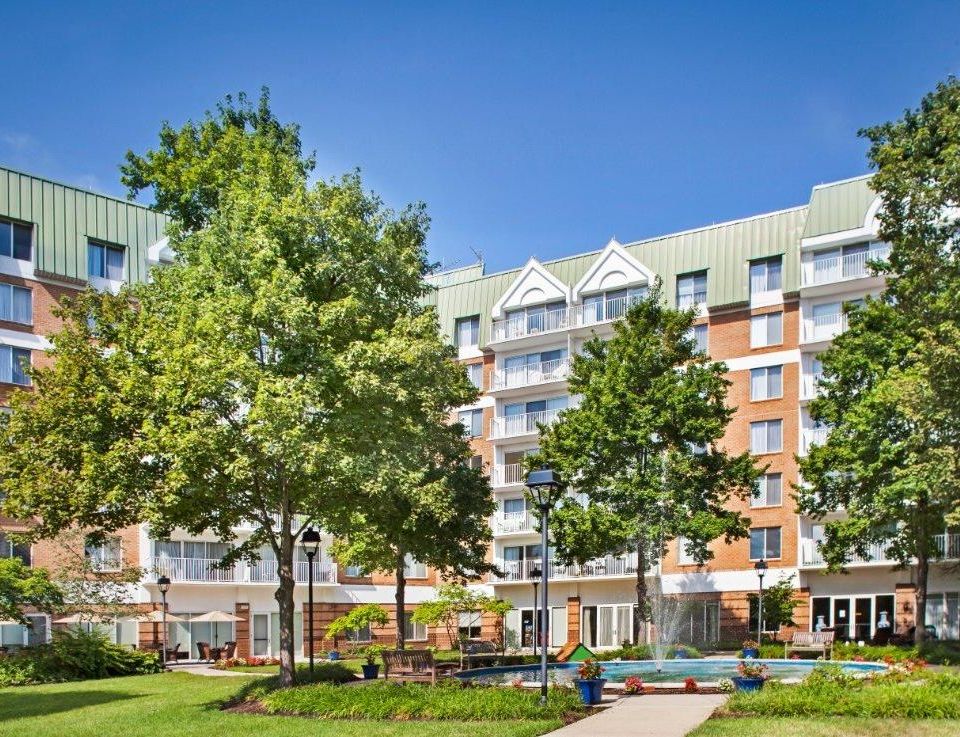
[
  {"x": 841, "y": 268},
  {"x": 521, "y": 326},
  {"x": 825, "y": 327},
  {"x": 813, "y": 436},
  {"x": 520, "y": 570},
  {"x": 522, "y": 424},
  {"x": 531, "y": 373},
  {"x": 508, "y": 522},
  {"x": 810, "y": 385},
  {"x": 947, "y": 548},
  {"x": 605, "y": 311},
  {"x": 207, "y": 570},
  {"x": 507, "y": 474}
]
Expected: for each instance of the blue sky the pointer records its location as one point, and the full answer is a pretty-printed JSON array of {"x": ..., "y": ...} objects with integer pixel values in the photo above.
[{"x": 527, "y": 128}]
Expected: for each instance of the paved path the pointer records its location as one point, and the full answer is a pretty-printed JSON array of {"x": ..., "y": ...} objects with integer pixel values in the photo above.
[
  {"x": 669, "y": 715},
  {"x": 206, "y": 670}
]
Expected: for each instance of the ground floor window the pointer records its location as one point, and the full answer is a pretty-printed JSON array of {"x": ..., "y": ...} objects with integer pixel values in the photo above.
[
  {"x": 469, "y": 626},
  {"x": 187, "y": 634},
  {"x": 14, "y": 636},
  {"x": 943, "y": 614},
  {"x": 700, "y": 623},
  {"x": 606, "y": 625},
  {"x": 265, "y": 634},
  {"x": 413, "y": 631},
  {"x": 853, "y": 617}
]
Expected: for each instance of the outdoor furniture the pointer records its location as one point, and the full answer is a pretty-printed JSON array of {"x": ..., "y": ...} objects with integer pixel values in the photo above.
[
  {"x": 173, "y": 653},
  {"x": 818, "y": 642},
  {"x": 216, "y": 653},
  {"x": 478, "y": 651},
  {"x": 881, "y": 637},
  {"x": 414, "y": 665},
  {"x": 229, "y": 649},
  {"x": 203, "y": 650}
]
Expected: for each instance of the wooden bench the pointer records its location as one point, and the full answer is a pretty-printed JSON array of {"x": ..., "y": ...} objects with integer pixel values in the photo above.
[
  {"x": 414, "y": 665},
  {"x": 818, "y": 642},
  {"x": 481, "y": 651}
]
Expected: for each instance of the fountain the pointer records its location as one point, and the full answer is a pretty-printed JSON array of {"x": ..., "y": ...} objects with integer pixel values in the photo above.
[{"x": 666, "y": 612}]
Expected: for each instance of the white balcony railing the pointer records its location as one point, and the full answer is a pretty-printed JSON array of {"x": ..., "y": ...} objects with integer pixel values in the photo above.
[
  {"x": 810, "y": 385},
  {"x": 841, "y": 268},
  {"x": 508, "y": 522},
  {"x": 605, "y": 311},
  {"x": 508, "y": 474},
  {"x": 523, "y": 424},
  {"x": 531, "y": 374},
  {"x": 206, "y": 570},
  {"x": 520, "y": 570},
  {"x": 813, "y": 436},
  {"x": 522, "y": 326},
  {"x": 824, "y": 327},
  {"x": 686, "y": 301},
  {"x": 296, "y": 523},
  {"x": 947, "y": 548}
]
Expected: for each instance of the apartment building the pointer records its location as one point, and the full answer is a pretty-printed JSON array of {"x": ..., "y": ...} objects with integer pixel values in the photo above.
[{"x": 769, "y": 291}]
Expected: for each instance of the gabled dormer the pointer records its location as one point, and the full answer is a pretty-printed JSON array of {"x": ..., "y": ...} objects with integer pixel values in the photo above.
[{"x": 536, "y": 302}]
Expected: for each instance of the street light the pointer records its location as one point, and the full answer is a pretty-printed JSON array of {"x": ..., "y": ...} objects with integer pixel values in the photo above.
[
  {"x": 535, "y": 574},
  {"x": 310, "y": 538},
  {"x": 761, "y": 568},
  {"x": 543, "y": 485},
  {"x": 163, "y": 583}
]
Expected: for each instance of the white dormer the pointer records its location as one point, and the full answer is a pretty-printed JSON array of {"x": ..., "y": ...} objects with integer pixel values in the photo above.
[
  {"x": 160, "y": 252},
  {"x": 614, "y": 269},
  {"x": 534, "y": 285}
]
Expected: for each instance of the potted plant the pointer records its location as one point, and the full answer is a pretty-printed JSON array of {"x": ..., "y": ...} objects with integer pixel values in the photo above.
[
  {"x": 371, "y": 669},
  {"x": 752, "y": 676},
  {"x": 633, "y": 686},
  {"x": 357, "y": 619},
  {"x": 680, "y": 652},
  {"x": 751, "y": 649},
  {"x": 590, "y": 683}
]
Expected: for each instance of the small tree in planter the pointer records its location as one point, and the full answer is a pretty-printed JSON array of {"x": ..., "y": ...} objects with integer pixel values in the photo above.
[{"x": 365, "y": 615}]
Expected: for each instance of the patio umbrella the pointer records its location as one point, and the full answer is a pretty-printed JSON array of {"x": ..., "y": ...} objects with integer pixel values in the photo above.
[
  {"x": 78, "y": 618},
  {"x": 155, "y": 616},
  {"x": 217, "y": 616}
]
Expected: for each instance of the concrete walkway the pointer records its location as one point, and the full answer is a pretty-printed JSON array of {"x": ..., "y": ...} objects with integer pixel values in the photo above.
[
  {"x": 669, "y": 715},
  {"x": 206, "y": 670}
]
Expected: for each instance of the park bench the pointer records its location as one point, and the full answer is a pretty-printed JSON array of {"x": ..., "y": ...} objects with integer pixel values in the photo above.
[
  {"x": 483, "y": 652},
  {"x": 414, "y": 665},
  {"x": 817, "y": 642}
]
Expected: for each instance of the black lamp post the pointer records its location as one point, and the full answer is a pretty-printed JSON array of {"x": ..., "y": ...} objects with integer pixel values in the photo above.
[
  {"x": 163, "y": 584},
  {"x": 311, "y": 541},
  {"x": 535, "y": 574},
  {"x": 543, "y": 485},
  {"x": 761, "y": 568}
]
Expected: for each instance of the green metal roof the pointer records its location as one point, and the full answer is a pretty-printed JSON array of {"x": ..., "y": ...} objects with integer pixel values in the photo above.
[
  {"x": 66, "y": 217},
  {"x": 839, "y": 206}
]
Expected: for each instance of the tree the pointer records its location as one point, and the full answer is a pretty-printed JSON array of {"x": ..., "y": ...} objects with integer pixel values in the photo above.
[
  {"x": 358, "y": 618},
  {"x": 884, "y": 461},
  {"x": 643, "y": 446},
  {"x": 23, "y": 587},
  {"x": 265, "y": 376},
  {"x": 451, "y": 601},
  {"x": 779, "y": 601}
]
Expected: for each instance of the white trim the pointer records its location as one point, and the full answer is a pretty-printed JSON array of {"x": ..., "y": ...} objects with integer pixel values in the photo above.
[
  {"x": 762, "y": 360},
  {"x": 19, "y": 339},
  {"x": 532, "y": 267},
  {"x": 469, "y": 351},
  {"x": 160, "y": 252},
  {"x": 611, "y": 250},
  {"x": 826, "y": 185},
  {"x": 483, "y": 402},
  {"x": 839, "y": 238},
  {"x": 16, "y": 267}
]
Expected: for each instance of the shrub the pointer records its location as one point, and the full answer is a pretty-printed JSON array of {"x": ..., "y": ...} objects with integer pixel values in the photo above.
[
  {"x": 644, "y": 652},
  {"x": 323, "y": 673},
  {"x": 690, "y": 685},
  {"x": 251, "y": 662}
]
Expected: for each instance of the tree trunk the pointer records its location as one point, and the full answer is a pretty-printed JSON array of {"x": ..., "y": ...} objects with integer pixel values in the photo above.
[
  {"x": 400, "y": 599},
  {"x": 640, "y": 614},
  {"x": 920, "y": 618},
  {"x": 284, "y": 597}
]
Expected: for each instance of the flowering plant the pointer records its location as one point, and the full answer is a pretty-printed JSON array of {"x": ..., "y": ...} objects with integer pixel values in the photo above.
[
  {"x": 725, "y": 685},
  {"x": 633, "y": 685},
  {"x": 750, "y": 645},
  {"x": 590, "y": 670},
  {"x": 749, "y": 669},
  {"x": 690, "y": 685}
]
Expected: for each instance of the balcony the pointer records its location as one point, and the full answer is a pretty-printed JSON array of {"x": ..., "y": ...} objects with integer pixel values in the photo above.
[
  {"x": 206, "y": 570},
  {"x": 513, "y": 522},
  {"x": 812, "y": 436},
  {"x": 809, "y": 385},
  {"x": 531, "y": 374},
  {"x": 515, "y": 425},
  {"x": 606, "y": 311},
  {"x": 824, "y": 327},
  {"x": 296, "y": 523},
  {"x": 841, "y": 268},
  {"x": 515, "y": 571},
  {"x": 509, "y": 474},
  {"x": 947, "y": 548},
  {"x": 523, "y": 326}
]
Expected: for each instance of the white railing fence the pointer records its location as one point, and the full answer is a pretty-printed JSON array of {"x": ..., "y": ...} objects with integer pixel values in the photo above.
[
  {"x": 206, "y": 570},
  {"x": 838, "y": 268},
  {"x": 520, "y": 570},
  {"x": 531, "y": 373},
  {"x": 507, "y": 474},
  {"x": 528, "y": 422}
]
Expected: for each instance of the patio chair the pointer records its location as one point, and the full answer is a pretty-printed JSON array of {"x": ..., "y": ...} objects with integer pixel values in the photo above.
[
  {"x": 414, "y": 665},
  {"x": 173, "y": 653},
  {"x": 229, "y": 649},
  {"x": 203, "y": 650}
]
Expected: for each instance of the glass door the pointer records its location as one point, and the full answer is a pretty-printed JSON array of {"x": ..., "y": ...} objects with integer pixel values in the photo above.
[
  {"x": 863, "y": 619},
  {"x": 841, "y": 618}
]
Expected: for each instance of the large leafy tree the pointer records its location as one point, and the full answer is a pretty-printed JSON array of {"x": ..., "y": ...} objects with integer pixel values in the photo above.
[
  {"x": 23, "y": 587},
  {"x": 267, "y": 374},
  {"x": 643, "y": 446}
]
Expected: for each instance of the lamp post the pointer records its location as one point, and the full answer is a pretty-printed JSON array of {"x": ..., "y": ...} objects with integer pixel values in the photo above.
[
  {"x": 163, "y": 584},
  {"x": 535, "y": 574},
  {"x": 543, "y": 485},
  {"x": 311, "y": 541},
  {"x": 761, "y": 568}
]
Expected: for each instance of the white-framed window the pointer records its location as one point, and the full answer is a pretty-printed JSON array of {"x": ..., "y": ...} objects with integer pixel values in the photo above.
[
  {"x": 683, "y": 557},
  {"x": 766, "y": 329},
  {"x": 691, "y": 290},
  {"x": 103, "y": 555},
  {"x": 354, "y": 571},
  {"x": 699, "y": 334},
  {"x": 413, "y": 631},
  {"x": 765, "y": 275},
  {"x": 472, "y": 421},
  {"x": 611, "y": 305},
  {"x": 16, "y": 304},
  {"x": 467, "y": 333},
  {"x": 766, "y": 383},
  {"x": 475, "y": 462},
  {"x": 475, "y": 374},
  {"x": 412, "y": 568},
  {"x": 104, "y": 262},
  {"x": 13, "y": 362},
  {"x": 469, "y": 624},
  {"x": 766, "y": 436},
  {"x": 764, "y": 543},
  {"x": 360, "y": 635},
  {"x": 768, "y": 491},
  {"x": 11, "y": 549},
  {"x": 16, "y": 240}
]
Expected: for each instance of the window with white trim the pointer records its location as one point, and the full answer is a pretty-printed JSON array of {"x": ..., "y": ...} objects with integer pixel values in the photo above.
[
  {"x": 467, "y": 332},
  {"x": 766, "y": 436},
  {"x": 472, "y": 421},
  {"x": 683, "y": 557},
  {"x": 766, "y": 382},
  {"x": 691, "y": 290},
  {"x": 104, "y": 262},
  {"x": 413, "y": 631},
  {"x": 768, "y": 491},
  {"x": 13, "y": 362},
  {"x": 16, "y": 240},
  {"x": 699, "y": 335},
  {"x": 765, "y": 275},
  {"x": 412, "y": 568},
  {"x": 11, "y": 549},
  {"x": 764, "y": 543},
  {"x": 475, "y": 374},
  {"x": 766, "y": 330},
  {"x": 103, "y": 554},
  {"x": 16, "y": 304}
]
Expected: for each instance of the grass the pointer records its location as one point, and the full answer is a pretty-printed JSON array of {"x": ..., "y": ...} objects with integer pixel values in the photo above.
[
  {"x": 826, "y": 727},
  {"x": 187, "y": 705}
]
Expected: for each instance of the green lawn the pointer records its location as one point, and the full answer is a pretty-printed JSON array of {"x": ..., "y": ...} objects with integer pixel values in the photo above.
[
  {"x": 186, "y": 705},
  {"x": 825, "y": 727}
]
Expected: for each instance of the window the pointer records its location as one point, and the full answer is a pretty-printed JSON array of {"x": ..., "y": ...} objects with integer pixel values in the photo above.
[
  {"x": 354, "y": 571},
  {"x": 472, "y": 421},
  {"x": 691, "y": 289},
  {"x": 537, "y": 319},
  {"x": 16, "y": 304},
  {"x": 467, "y": 332},
  {"x": 766, "y": 436},
  {"x": 475, "y": 374},
  {"x": 413, "y": 631},
  {"x": 475, "y": 462},
  {"x": 765, "y": 275},
  {"x": 413, "y": 569},
  {"x": 10, "y": 549},
  {"x": 16, "y": 240},
  {"x": 13, "y": 362},
  {"x": 515, "y": 506},
  {"x": 764, "y": 543},
  {"x": 469, "y": 625},
  {"x": 698, "y": 334},
  {"x": 766, "y": 383},
  {"x": 360, "y": 635},
  {"x": 611, "y": 305},
  {"x": 683, "y": 557},
  {"x": 104, "y": 262},
  {"x": 103, "y": 555},
  {"x": 768, "y": 491},
  {"x": 766, "y": 329}
]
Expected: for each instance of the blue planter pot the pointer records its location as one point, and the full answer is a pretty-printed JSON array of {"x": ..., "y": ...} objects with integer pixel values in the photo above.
[
  {"x": 333, "y": 655},
  {"x": 751, "y": 652},
  {"x": 747, "y": 683},
  {"x": 370, "y": 671},
  {"x": 591, "y": 689},
  {"x": 680, "y": 654}
]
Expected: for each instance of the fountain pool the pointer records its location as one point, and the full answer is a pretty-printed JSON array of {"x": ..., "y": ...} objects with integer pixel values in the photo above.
[{"x": 707, "y": 670}]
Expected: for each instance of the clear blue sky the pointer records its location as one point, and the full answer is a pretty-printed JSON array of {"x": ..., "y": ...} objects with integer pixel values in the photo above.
[{"x": 527, "y": 128}]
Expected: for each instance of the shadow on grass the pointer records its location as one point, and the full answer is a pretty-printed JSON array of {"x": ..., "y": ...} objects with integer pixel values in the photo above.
[{"x": 15, "y": 705}]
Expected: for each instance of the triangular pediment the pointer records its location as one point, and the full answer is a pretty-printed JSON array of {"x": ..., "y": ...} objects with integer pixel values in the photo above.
[
  {"x": 613, "y": 269},
  {"x": 533, "y": 285}
]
